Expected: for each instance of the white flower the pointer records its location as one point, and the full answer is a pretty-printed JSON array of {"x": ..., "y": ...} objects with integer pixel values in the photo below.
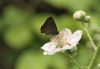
[
  {"x": 79, "y": 15},
  {"x": 65, "y": 40}
]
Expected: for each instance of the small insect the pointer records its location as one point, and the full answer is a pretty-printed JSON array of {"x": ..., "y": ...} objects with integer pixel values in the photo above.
[{"x": 49, "y": 27}]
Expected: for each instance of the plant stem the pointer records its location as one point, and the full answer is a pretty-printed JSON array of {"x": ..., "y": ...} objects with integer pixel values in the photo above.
[
  {"x": 96, "y": 48},
  {"x": 74, "y": 61},
  {"x": 90, "y": 38},
  {"x": 94, "y": 57}
]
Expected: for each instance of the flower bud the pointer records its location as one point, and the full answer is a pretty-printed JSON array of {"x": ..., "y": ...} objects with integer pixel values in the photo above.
[
  {"x": 87, "y": 19},
  {"x": 79, "y": 15},
  {"x": 73, "y": 51}
]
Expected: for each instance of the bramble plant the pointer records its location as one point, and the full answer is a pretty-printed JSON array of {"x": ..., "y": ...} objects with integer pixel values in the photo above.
[{"x": 66, "y": 41}]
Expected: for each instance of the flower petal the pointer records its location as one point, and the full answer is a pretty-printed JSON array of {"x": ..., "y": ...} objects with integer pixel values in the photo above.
[
  {"x": 66, "y": 33},
  {"x": 66, "y": 47},
  {"x": 75, "y": 37},
  {"x": 49, "y": 53},
  {"x": 49, "y": 46}
]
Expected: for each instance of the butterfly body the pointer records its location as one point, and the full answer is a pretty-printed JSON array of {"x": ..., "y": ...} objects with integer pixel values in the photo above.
[{"x": 49, "y": 27}]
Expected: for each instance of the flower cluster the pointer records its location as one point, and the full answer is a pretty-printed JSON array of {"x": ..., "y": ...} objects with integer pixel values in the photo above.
[
  {"x": 65, "y": 40},
  {"x": 81, "y": 15}
]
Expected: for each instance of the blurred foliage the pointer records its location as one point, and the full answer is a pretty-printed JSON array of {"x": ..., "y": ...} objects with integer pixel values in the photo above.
[
  {"x": 72, "y": 5},
  {"x": 20, "y": 37}
]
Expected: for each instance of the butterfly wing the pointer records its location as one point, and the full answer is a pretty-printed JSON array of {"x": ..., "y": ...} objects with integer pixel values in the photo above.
[{"x": 49, "y": 27}]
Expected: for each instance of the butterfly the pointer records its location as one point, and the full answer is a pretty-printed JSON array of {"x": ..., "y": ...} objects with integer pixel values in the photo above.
[{"x": 49, "y": 27}]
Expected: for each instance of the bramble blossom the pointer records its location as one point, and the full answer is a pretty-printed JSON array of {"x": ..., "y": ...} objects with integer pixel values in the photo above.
[{"x": 65, "y": 40}]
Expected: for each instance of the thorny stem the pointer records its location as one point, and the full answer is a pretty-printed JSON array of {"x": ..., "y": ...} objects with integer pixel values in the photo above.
[
  {"x": 73, "y": 60},
  {"x": 91, "y": 40},
  {"x": 96, "y": 48},
  {"x": 94, "y": 57}
]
